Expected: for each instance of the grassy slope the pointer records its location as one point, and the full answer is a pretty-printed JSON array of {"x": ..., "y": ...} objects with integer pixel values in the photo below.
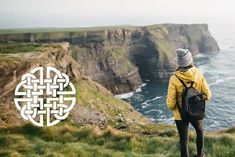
[{"x": 68, "y": 140}]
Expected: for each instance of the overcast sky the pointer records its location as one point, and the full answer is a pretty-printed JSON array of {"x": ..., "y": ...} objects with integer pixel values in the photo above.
[
  {"x": 77, "y": 13},
  {"x": 90, "y": 8}
]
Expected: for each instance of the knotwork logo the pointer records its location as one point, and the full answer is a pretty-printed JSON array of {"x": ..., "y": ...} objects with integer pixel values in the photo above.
[{"x": 45, "y": 96}]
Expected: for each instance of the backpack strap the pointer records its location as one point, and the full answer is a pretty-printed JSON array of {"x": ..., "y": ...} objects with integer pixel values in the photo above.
[
  {"x": 177, "y": 102},
  {"x": 191, "y": 84},
  {"x": 181, "y": 81}
]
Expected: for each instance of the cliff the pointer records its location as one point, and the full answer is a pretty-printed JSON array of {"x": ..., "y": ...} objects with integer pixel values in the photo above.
[
  {"x": 120, "y": 57},
  {"x": 95, "y": 104}
]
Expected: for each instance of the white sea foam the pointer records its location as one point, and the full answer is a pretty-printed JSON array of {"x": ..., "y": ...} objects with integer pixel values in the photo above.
[
  {"x": 222, "y": 80},
  {"x": 217, "y": 82},
  {"x": 170, "y": 120},
  {"x": 138, "y": 90},
  {"x": 146, "y": 80},
  {"x": 152, "y": 119},
  {"x": 230, "y": 78},
  {"x": 145, "y": 105},
  {"x": 200, "y": 55},
  {"x": 215, "y": 124},
  {"x": 157, "y": 97},
  {"x": 144, "y": 84},
  {"x": 125, "y": 95},
  {"x": 153, "y": 110},
  {"x": 130, "y": 94},
  {"x": 150, "y": 100}
]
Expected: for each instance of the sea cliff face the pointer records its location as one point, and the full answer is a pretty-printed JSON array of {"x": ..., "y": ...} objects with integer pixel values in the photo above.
[
  {"x": 121, "y": 57},
  {"x": 95, "y": 104}
]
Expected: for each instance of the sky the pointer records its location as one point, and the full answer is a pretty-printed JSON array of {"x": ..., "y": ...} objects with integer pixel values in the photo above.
[{"x": 83, "y": 13}]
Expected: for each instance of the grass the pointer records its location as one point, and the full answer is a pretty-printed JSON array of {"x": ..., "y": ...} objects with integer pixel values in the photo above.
[
  {"x": 93, "y": 95},
  {"x": 72, "y": 29},
  {"x": 18, "y": 48},
  {"x": 120, "y": 55},
  {"x": 67, "y": 140}
]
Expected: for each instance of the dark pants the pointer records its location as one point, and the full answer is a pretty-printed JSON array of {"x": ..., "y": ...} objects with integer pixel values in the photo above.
[{"x": 182, "y": 127}]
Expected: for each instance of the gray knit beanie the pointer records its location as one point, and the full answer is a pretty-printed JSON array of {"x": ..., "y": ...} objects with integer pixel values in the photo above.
[{"x": 184, "y": 57}]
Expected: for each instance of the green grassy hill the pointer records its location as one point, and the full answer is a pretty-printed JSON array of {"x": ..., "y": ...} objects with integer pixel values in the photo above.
[{"x": 69, "y": 140}]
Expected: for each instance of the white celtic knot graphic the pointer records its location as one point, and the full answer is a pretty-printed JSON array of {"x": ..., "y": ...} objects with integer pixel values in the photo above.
[{"x": 47, "y": 99}]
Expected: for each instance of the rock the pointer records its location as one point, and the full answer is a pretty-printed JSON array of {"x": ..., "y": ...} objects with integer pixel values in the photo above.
[
  {"x": 168, "y": 133},
  {"x": 120, "y": 118},
  {"x": 122, "y": 126},
  {"x": 120, "y": 115}
]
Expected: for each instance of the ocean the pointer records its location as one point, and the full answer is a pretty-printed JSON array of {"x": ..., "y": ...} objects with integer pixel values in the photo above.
[{"x": 219, "y": 70}]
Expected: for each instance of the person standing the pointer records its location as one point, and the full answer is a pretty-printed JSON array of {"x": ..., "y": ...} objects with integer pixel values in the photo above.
[{"x": 187, "y": 74}]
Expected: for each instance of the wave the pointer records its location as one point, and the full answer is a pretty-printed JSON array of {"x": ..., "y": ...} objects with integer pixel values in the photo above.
[
  {"x": 152, "y": 119},
  {"x": 139, "y": 89},
  {"x": 146, "y": 103},
  {"x": 170, "y": 120},
  {"x": 216, "y": 82},
  {"x": 153, "y": 110},
  {"x": 147, "y": 80},
  {"x": 230, "y": 78},
  {"x": 221, "y": 81},
  {"x": 125, "y": 95},
  {"x": 144, "y": 84},
  {"x": 130, "y": 94},
  {"x": 200, "y": 55},
  {"x": 157, "y": 97}
]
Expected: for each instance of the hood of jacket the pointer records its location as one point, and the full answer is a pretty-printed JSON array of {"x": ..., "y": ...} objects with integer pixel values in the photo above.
[{"x": 191, "y": 75}]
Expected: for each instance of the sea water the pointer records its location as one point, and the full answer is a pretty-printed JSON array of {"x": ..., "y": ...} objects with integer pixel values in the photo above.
[{"x": 219, "y": 71}]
